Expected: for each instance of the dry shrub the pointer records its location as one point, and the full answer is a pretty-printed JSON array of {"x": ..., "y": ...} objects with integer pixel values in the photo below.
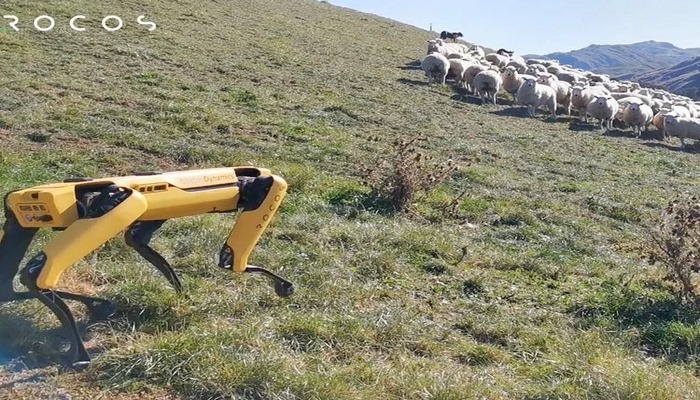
[
  {"x": 405, "y": 174},
  {"x": 676, "y": 245}
]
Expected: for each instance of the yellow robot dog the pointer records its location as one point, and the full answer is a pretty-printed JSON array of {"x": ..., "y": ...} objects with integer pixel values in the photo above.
[{"x": 89, "y": 212}]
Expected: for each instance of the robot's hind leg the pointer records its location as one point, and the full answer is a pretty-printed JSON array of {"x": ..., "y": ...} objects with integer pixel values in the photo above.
[{"x": 137, "y": 236}]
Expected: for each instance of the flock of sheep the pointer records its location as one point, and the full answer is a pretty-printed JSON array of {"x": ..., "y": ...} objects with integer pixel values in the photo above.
[{"x": 535, "y": 83}]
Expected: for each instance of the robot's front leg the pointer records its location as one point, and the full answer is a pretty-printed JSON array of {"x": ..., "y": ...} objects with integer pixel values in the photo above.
[
  {"x": 110, "y": 213},
  {"x": 13, "y": 246},
  {"x": 259, "y": 199}
]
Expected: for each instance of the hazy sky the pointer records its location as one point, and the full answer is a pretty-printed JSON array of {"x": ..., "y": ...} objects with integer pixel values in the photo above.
[{"x": 546, "y": 26}]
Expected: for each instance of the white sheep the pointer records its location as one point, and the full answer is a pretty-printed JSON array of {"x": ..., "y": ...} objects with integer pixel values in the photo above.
[
  {"x": 624, "y": 102},
  {"x": 435, "y": 66},
  {"x": 445, "y": 48},
  {"x": 518, "y": 64},
  {"x": 682, "y": 128},
  {"x": 512, "y": 80},
  {"x": 681, "y": 110},
  {"x": 476, "y": 50},
  {"x": 581, "y": 96},
  {"x": 487, "y": 84},
  {"x": 563, "y": 90},
  {"x": 658, "y": 120},
  {"x": 457, "y": 69},
  {"x": 638, "y": 116},
  {"x": 534, "y": 95},
  {"x": 497, "y": 59},
  {"x": 646, "y": 99},
  {"x": 604, "y": 109},
  {"x": 555, "y": 69},
  {"x": 569, "y": 76},
  {"x": 536, "y": 69},
  {"x": 470, "y": 73}
]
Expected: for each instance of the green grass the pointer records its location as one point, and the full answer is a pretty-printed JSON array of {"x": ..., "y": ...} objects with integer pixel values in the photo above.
[{"x": 532, "y": 287}]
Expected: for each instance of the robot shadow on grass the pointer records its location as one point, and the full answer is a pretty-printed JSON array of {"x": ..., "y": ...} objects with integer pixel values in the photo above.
[
  {"x": 29, "y": 348},
  {"x": 20, "y": 351}
]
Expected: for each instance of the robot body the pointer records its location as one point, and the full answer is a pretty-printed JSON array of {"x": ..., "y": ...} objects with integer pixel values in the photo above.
[{"x": 89, "y": 212}]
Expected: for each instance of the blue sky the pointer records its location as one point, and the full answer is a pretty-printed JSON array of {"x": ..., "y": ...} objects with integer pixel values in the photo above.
[{"x": 541, "y": 26}]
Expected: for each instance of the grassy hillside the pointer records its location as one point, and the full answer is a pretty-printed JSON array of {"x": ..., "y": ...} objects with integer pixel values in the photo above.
[
  {"x": 519, "y": 277},
  {"x": 622, "y": 59}
]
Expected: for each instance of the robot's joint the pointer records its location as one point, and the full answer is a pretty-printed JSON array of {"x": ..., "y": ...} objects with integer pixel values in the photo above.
[
  {"x": 31, "y": 272},
  {"x": 226, "y": 257},
  {"x": 254, "y": 191},
  {"x": 109, "y": 198}
]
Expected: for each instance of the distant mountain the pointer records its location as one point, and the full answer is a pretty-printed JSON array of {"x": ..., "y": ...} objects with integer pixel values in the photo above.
[
  {"x": 682, "y": 78},
  {"x": 624, "y": 59}
]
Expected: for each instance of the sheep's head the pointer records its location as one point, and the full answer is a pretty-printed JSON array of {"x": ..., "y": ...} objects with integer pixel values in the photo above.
[
  {"x": 634, "y": 107},
  {"x": 544, "y": 79},
  {"x": 433, "y": 46},
  {"x": 602, "y": 100},
  {"x": 669, "y": 120},
  {"x": 529, "y": 82},
  {"x": 511, "y": 72}
]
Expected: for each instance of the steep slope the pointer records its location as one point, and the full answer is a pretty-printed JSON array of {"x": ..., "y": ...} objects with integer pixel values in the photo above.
[
  {"x": 518, "y": 276},
  {"x": 624, "y": 59},
  {"x": 683, "y": 78}
]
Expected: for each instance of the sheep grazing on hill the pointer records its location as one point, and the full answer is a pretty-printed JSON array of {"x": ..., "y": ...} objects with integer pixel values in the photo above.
[
  {"x": 477, "y": 51},
  {"x": 451, "y": 35},
  {"x": 582, "y": 96},
  {"x": 534, "y": 95},
  {"x": 457, "y": 69},
  {"x": 569, "y": 76},
  {"x": 624, "y": 102},
  {"x": 518, "y": 63},
  {"x": 563, "y": 90},
  {"x": 487, "y": 84},
  {"x": 539, "y": 82},
  {"x": 496, "y": 59},
  {"x": 638, "y": 116},
  {"x": 470, "y": 73},
  {"x": 536, "y": 69},
  {"x": 603, "y": 108},
  {"x": 512, "y": 80},
  {"x": 682, "y": 128},
  {"x": 646, "y": 99},
  {"x": 439, "y": 46},
  {"x": 681, "y": 111},
  {"x": 435, "y": 66}
]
